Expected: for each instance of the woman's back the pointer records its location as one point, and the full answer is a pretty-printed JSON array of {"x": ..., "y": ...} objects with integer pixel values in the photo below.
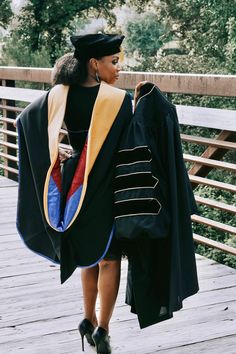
[{"x": 79, "y": 107}]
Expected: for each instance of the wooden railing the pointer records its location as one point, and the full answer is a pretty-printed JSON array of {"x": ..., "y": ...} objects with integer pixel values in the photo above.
[{"x": 13, "y": 100}]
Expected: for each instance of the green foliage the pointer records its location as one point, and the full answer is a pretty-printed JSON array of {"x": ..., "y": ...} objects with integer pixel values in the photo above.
[
  {"x": 215, "y": 234},
  {"x": 49, "y": 23},
  {"x": 205, "y": 32},
  {"x": 144, "y": 35},
  {"x": 206, "y": 29},
  {"x": 6, "y": 13},
  {"x": 214, "y": 194},
  {"x": 16, "y": 53}
]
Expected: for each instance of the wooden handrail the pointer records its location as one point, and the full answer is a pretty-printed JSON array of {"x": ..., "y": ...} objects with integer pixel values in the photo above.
[
  {"x": 13, "y": 98},
  {"x": 199, "y": 84}
]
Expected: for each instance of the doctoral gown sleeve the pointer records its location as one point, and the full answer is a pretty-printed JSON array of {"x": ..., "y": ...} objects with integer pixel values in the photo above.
[
  {"x": 173, "y": 158},
  {"x": 33, "y": 164},
  {"x": 183, "y": 282}
]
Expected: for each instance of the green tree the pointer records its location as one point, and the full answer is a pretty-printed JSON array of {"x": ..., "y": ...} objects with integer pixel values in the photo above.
[
  {"x": 12, "y": 54},
  {"x": 15, "y": 45},
  {"x": 48, "y": 23},
  {"x": 145, "y": 35},
  {"x": 206, "y": 29},
  {"x": 6, "y": 13}
]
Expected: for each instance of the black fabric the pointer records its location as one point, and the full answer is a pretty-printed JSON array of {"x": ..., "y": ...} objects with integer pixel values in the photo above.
[
  {"x": 137, "y": 207},
  {"x": 135, "y": 179},
  {"x": 162, "y": 266},
  {"x": 128, "y": 156},
  {"x": 37, "y": 234},
  {"x": 115, "y": 250},
  {"x": 78, "y": 113},
  {"x": 86, "y": 240},
  {"x": 96, "y": 45}
]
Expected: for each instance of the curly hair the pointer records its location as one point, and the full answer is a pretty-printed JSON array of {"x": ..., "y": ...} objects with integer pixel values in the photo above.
[{"x": 68, "y": 70}]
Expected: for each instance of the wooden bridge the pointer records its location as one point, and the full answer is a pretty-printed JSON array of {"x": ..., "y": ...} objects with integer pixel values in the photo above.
[{"x": 39, "y": 316}]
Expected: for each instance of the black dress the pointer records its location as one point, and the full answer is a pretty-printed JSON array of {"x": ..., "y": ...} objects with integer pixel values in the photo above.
[{"x": 77, "y": 120}]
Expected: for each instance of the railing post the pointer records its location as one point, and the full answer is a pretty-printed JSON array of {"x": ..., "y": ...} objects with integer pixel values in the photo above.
[{"x": 8, "y": 138}]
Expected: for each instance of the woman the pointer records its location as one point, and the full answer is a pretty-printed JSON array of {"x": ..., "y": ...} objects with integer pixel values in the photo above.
[{"x": 69, "y": 218}]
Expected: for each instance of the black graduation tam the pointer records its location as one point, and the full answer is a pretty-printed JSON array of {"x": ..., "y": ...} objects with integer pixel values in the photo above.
[{"x": 96, "y": 45}]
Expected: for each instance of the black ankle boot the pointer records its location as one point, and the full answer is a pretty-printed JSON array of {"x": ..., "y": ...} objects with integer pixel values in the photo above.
[
  {"x": 86, "y": 329},
  {"x": 101, "y": 340}
]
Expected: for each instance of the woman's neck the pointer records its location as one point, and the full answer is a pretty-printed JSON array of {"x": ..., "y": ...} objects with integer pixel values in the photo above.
[{"x": 90, "y": 81}]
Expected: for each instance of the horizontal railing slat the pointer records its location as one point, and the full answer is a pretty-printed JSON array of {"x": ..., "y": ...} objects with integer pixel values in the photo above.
[
  {"x": 8, "y": 132},
  {"x": 11, "y": 108},
  {"x": 7, "y": 120},
  {"x": 215, "y": 244},
  {"x": 214, "y": 118},
  {"x": 8, "y": 157},
  {"x": 216, "y": 204},
  {"x": 212, "y": 183},
  {"x": 10, "y": 169},
  {"x": 20, "y": 94},
  {"x": 10, "y": 145},
  {"x": 209, "y": 162},
  {"x": 210, "y": 142},
  {"x": 213, "y": 223},
  {"x": 196, "y": 116}
]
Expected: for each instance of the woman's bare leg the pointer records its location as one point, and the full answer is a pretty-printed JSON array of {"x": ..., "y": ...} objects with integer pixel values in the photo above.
[
  {"x": 89, "y": 278},
  {"x": 108, "y": 286}
]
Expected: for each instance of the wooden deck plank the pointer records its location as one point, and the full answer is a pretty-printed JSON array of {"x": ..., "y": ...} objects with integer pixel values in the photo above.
[
  {"x": 166, "y": 335},
  {"x": 211, "y": 346},
  {"x": 40, "y": 316}
]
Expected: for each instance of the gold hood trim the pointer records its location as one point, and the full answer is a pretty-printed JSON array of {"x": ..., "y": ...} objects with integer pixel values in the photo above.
[{"x": 105, "y": 110}]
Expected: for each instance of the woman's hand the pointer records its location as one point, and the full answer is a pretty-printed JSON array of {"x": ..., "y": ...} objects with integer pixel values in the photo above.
[
  {"x": 137, "y": 91},
  {"x": 64, "y": 155},
  {"x": 14, "y": 123}
]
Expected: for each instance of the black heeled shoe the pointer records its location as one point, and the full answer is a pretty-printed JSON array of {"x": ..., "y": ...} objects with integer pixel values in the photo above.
[
  {"x": 101, "y": 340},
  {"x": 86, "y": 329}
]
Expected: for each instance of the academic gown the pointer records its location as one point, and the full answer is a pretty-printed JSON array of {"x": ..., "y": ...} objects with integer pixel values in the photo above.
[
  {"x": 153, "y": 206},
  {"x": 81, "y": 235}
]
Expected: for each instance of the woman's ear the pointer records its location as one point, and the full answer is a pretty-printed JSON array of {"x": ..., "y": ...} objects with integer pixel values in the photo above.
[{"x": 93, "y": 63}]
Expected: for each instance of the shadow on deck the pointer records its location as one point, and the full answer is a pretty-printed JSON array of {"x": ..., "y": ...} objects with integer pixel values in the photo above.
[{"x": 39, "y": 316}]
